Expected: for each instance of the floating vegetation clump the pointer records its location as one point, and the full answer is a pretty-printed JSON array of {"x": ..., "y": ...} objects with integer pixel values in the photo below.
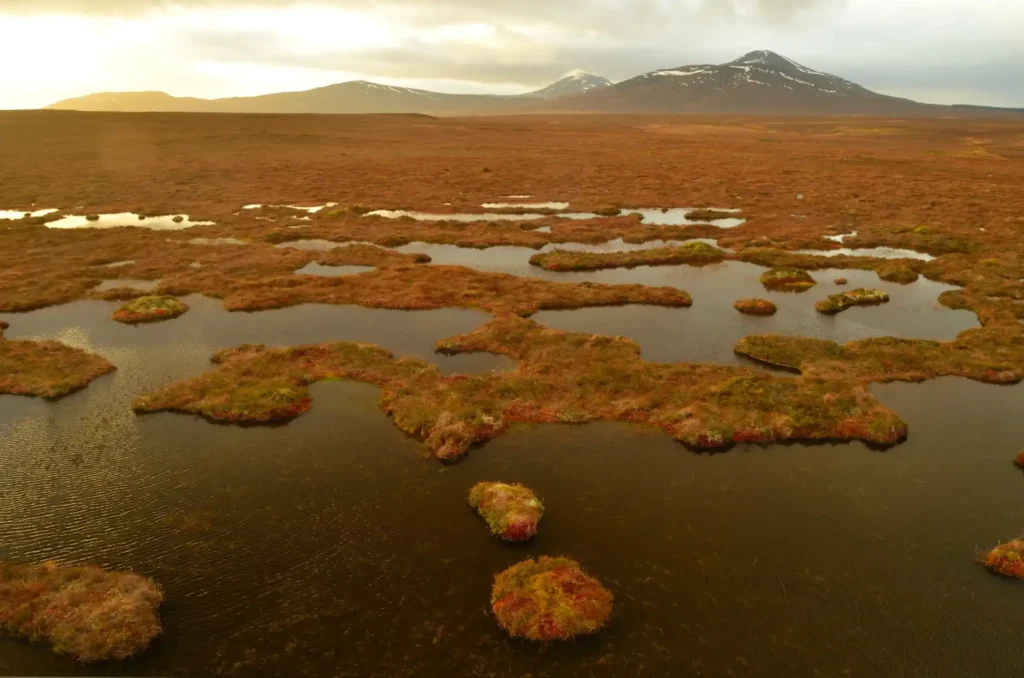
[
  {"x": 511, "y": 510},
  {"x": 1020, "y": 459},
  {"x": 46, "y": 369},
  {"x": 840, "y": 281},
  {"x": 837, "y": 303},
  {"x": 150, "y": 309},
  {"x": 897, "y": 272},
  {"x": 755, "y": 306},
  {"x": 549, "y": 599},
  {"x": 1007, "y": 559},
  {"x": 85, "y": 612},
  {"x": 694, "y": 253},
  {"x": 787, "y": 280}
]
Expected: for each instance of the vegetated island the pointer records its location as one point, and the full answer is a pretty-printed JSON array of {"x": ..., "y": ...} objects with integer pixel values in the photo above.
[
  {"x": 46, "y": 369},
  {"x": 511, "y": 510}
]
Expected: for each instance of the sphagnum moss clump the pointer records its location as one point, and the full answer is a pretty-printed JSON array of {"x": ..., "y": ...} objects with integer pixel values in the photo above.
[
  {"x": 85, "y": 612},
  {"x": 787, "y": 280},
  {"x": 511, "y": 510},
  {"x": 150, "y": 309},
  {"x": 549, "y": 599},
  {"x": 837, "y": 303},
  {"x": 755, "y": 306},
  {"x": 1007, "y": 559}
]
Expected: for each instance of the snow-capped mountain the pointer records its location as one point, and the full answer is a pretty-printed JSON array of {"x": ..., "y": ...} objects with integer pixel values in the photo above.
[
  {"x": 757, "y": 82},
  {"x": 574, "y": 82}
]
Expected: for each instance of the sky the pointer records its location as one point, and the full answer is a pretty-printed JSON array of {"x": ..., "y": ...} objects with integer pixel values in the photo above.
[{"x": 938, "y": 51}]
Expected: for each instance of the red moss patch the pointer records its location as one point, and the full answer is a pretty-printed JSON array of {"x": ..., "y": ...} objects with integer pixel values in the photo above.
[
  {"x": 755, "y": 307},
  {"x": 511, "y": 510},
  {"x": 787, "y": 280},
  {"x": 150, "y": 309},
  {"x": 1020, "y": 459},
  {"x": 88, "y": 613},
  {"x": 549, "y": 599},
  {"x": 46, "y": 369},
  {"x": 1007, "y": 559}
]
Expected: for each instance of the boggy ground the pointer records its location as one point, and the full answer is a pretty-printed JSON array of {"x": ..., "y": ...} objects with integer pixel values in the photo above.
[
  {"x": 46, "y": 369},
  {"x": 559, "y": 377}
]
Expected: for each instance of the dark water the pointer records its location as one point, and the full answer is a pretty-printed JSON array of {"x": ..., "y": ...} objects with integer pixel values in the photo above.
[
  {"x": 313, "y": 268},
  {"x": 334, "y": 547}
]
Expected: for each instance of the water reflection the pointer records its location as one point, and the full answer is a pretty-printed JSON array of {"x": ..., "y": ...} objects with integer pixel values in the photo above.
[
  {"x": 877, "y": 252},
  {"x": 314, "y": 268},
  {"x": 131, "y": 283},
  {"x": 19, "y": 214},
  {"x": 166, "y": 222}
]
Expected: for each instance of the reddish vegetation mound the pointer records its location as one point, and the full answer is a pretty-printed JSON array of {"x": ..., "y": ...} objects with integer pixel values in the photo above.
[
  {"x": 1020, "y": 459},
  {"x": 88, "y": 613},
  {"x": 755, "y": 307},
  {"x": 837, "y": 303},
  {"x": 46, "y": 369},
  {"x": 840, "y": 281},
  {"x": 1007, "y": 559},
  {"x": 511, "y": 510},
  {"x": 549, "y": 599},
  {"x": 150, "y": 309}
]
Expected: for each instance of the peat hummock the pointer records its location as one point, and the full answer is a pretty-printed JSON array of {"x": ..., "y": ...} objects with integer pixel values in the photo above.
[
  {"x": 46, "y": 369},
  {"x": 150, "y": 309},
  {"x": 787, "y": 280},
  {"x": 511, "y": 510},
  {"x": 549, "y": 599},
  {"x": 837, "y": 303},
  {"x": 1007, "y": 559},
  {"x": 83, "y": 611},
  {"x": 755, "y": 306}
]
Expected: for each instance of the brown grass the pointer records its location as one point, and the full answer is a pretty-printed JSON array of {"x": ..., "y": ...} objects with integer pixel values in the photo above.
[
  {"x": 694, "y": 253},
  {"x": 46, "y": 369},
  {"x": 85, "y": 612}
]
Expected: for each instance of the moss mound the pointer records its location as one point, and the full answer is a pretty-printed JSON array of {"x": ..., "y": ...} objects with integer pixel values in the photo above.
[
  {"x": 511, "y": 510},
  {"x": 549, "y": 599},
  {"x": 150, "y": 309},
  {"x": 840, "y": 281},
  {"x": 1020, "y": 459},
  {"x": 837, "y": 303},
  {"x": 88, "y": 613},
  {"x": 755, "y": 307},
  {"x": 897, "y": 273},
  {"x": 694, "y": 253},
  {"x": 1007, "y": 559},
  {"x": 787, "y": 280}
]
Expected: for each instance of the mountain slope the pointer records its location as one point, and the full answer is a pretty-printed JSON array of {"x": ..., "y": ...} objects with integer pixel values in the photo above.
[
  {"x": 575, "y": 82},
  {"x": 759, "y": 82}
]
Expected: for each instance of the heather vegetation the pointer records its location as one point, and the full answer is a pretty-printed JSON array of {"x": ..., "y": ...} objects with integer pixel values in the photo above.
[
  {"x": 1007, "y": 559},
  {"x": 549, "y": 599},
  {"x": 511, "y": 510},
  {"x": 787, "y": 280},
  {"x": 755, "y": 306},
  {"x": 837, "y": 303},
  {"x": 46, "y": 369},
  {"x": 694, "y": 253},
  {"x": 150, "y": 309},
  {"x": 82, "y": 611}
]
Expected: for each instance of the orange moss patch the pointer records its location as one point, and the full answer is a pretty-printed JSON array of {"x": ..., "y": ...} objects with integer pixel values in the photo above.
[
  {"x": 511, "y": 510},
  {"x": 755, "y": 306},
  {"x": 837, "y": 303},
  {"x": 1007, "y": 559},
  {"x": 46, "y": 369},
  {"x": 840, "y": 281},
  {"x": 559, "y": 377},
  {"x": 1020, "y": 459},
  {"x": 85, "y": 612},
  {"x": 150, "y": 309},
  {"x": 549, "y": 599}
]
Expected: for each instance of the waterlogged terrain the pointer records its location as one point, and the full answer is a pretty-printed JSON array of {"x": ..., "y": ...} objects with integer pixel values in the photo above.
[{"x": 304, "y": 525}]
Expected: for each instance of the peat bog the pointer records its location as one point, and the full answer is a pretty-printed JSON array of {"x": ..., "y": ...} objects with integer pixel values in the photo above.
[{"x": 865, "y": 472}]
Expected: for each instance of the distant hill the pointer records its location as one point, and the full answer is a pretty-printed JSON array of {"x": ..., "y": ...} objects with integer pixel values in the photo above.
[
  {"x": 760, "y": 82},
  {"x": 757, "y": 83},
  {"x": 576, "y": 82}
]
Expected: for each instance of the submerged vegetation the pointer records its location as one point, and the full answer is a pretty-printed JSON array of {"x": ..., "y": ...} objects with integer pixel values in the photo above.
[
  {"x": 511, "y": 510},
  {"x": 150, "y": 309},
  {"x": 837, "y": 303},
  {"x": 787, "y": 280},
  {"x": 694, "y": 253},
  {"x": 82, "y": 611},
  {"x": 549, "y": 599},
  {"x": 755, "y": 306},
  {"x": 1007, "y": 559},
  {"x": 559, "y": 377},
  {"x": 46, "y": 369}
]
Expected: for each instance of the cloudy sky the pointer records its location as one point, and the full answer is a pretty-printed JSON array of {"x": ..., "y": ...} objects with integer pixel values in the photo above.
[{"x": 942, "y": 51}]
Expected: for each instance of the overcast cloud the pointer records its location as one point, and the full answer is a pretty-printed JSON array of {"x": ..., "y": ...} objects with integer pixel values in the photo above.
[{"x": 943, "y": 51}]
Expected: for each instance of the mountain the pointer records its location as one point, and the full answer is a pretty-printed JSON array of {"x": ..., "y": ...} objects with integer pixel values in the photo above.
[
  {"x": 575, "y": 82},
  {"x": 759, "y": 82}
]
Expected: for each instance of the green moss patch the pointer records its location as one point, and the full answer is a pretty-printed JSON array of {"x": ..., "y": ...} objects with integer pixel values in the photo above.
[
  {"x": 755, "y": 307},
  {"x": 1007, "y": 559},
  {"x": 150, "y": 309},
  {"x": 787, "y": 280},
  {"x": 695, "y": 253},
  {"x": 85, "y": 612},
  {"x": 511, "y": 510},
  {"x": 549, "y": 599},
  {"x": 837, "y": 303},
  {"x": 46, "y": 369}
]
